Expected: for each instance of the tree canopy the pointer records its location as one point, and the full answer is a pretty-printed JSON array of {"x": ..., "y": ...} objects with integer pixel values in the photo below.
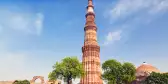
[
  {"x": 21, "y": 82},
  {"x": 156, "y": 78},
  {"x": 69, "y": 68},
  {"x": 117, "y": 73}
]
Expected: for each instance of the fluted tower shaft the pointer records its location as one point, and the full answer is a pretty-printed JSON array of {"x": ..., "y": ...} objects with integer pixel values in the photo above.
[{"x": 91, "y": 49}]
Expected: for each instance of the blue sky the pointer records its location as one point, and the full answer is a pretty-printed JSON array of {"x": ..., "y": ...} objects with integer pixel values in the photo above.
[{"x": 34, "y": 34}]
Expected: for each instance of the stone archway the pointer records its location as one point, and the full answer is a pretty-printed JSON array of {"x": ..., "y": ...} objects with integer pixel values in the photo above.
[{"x": 37, "y": 77}]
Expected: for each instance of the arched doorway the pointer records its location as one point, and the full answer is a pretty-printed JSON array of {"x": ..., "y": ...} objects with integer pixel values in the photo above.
[
  {"x": 37, "y": 77},
  {"x": 37, "y": 81}
]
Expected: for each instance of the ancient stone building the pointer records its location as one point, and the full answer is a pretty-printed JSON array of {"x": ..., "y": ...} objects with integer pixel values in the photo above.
[
  {"x": 143, "y": 71},
  {"x": 91, "y": 49}
]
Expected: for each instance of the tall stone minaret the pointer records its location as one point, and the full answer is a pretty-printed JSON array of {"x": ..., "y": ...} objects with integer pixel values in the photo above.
[{"x": 91, "y": 50}]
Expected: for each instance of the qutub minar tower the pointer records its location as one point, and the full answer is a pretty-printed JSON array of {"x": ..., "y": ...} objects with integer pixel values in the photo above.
[{"x": 91, "y": 50}]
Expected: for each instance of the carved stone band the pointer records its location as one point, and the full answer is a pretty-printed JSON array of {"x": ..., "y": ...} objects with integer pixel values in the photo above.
[
  {"x": 90, "y": 13},
  {"x": 90, "y": 27},
  {"x": 91, "y": 48},
  {"x": 91, "y": 62},
  {"x": 90, "y": 6},
  {"x": 90, "y": 40}
]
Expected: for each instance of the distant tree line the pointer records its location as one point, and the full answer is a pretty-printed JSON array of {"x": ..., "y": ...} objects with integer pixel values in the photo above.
[
  {"x": 21, "y": 82},
  {"x": 156, "y": 78}
]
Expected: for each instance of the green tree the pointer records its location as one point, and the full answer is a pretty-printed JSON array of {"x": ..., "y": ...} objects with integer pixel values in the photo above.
[
  {"x": 128, "y": 74},
  {"x": 117, "y": 73},
  {"x": 69, "y": 68},
  {"x": 21, "y": 82},
  {"x": 156, "y": 78},
  {"x": 112, "y": 69}
]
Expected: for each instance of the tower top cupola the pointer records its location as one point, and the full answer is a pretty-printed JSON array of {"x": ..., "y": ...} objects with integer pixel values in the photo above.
[{"x": 90, "y": 7}]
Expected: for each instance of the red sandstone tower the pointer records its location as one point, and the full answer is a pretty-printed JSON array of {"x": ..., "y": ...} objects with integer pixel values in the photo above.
[{"x": 91, "y": 50}]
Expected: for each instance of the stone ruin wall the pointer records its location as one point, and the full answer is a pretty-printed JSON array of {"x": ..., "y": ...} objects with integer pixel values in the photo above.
[{"x": 33, "y": 80}]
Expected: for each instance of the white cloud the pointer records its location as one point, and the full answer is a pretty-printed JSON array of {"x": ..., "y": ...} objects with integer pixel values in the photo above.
[
  {"x": 138, "y": 14},
  {"x": 15, "y": 64},
  {"x": 112, "y": 37},
  {"x": 39, "y": 23},
  {"x": 30, "y": 23},
  {"x": 133, "y": 13},
  {"x": 127, "y": 7}
]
